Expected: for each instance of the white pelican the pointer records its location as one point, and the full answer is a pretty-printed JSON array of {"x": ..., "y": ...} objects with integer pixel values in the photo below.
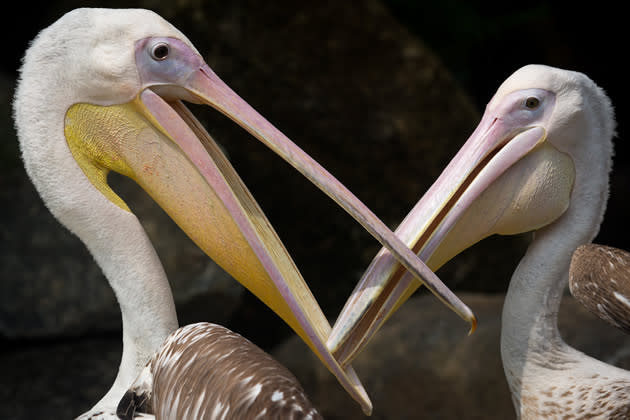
[
  {"x": 539, "y": 160},
  {"x": 101, "y": 90},
  {"x": 599, "y": 277}
]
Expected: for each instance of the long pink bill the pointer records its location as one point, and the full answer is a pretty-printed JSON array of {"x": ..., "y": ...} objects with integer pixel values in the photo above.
[{"x": 492, "y": 148}]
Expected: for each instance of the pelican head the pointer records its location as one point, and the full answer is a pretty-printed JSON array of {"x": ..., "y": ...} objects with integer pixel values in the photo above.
[
  {"x": 101, "y": 90},
  {"x": 542, "y": 147}
]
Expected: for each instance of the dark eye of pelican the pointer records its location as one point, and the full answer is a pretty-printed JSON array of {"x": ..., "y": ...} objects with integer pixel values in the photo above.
[
  {"x": 532, "y": 102},
  {"x": 160, "y": 51}
]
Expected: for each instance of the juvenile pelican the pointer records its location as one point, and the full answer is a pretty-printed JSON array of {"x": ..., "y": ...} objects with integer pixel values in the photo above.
[
  {"x": 539, "y": 160},
  {"x": 599, "y": 278},
  {"x": 101, "y": 90},
  {"x": 204, "y": 371}
]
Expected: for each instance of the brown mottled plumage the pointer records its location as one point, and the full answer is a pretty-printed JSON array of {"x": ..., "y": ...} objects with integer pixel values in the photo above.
[
  {"x": 205, "y": 371},
  {"x": 600, "y": 279}
]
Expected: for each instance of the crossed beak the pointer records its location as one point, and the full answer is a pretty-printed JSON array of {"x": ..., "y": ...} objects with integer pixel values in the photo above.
[
  {"x": 155, "y": 140},
  {"x": 506, "y": 179}
]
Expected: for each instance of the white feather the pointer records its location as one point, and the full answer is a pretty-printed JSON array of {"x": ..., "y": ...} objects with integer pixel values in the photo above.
[{"x": 88, "y": 56}]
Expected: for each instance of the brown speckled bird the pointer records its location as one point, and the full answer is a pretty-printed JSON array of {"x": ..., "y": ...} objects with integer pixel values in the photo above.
[
  {"x": 206, "y": 371},
  {"x": 600, "y": 279}
]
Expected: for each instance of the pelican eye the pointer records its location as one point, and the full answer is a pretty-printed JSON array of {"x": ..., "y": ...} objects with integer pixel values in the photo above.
[
  {"x": 160, "y": 51},
  {"x": 532, "y": 102}
]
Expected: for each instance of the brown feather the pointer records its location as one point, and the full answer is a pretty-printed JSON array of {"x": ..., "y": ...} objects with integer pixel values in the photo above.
[
  {"x": 599, "y": 278},
  {"x": 206, "y": 371}
]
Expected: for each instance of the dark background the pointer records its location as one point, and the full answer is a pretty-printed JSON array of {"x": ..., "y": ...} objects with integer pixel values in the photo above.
[{"x": 473, "y": 48}]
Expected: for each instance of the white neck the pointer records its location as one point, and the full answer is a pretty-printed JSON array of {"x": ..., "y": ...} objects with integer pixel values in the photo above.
[
  {"x": 122, "y": 249},
  {"x": 135, "y": 273},
  {"x": 529, "y": 325},
  {"x": 530, "y": 339},
  {"x": 114, "y": 236}
]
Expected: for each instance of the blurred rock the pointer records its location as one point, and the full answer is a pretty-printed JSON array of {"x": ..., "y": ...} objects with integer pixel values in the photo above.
[
  {"x": 56, "y": 379},
  {"x": 422, "y": 364}
]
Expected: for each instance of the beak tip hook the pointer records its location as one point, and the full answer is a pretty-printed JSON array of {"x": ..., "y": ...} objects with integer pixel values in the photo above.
[{"x": 473, "y": 324}]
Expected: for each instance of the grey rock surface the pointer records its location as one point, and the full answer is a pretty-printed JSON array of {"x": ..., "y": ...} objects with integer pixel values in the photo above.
[{"x": 422, "y": 365}]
